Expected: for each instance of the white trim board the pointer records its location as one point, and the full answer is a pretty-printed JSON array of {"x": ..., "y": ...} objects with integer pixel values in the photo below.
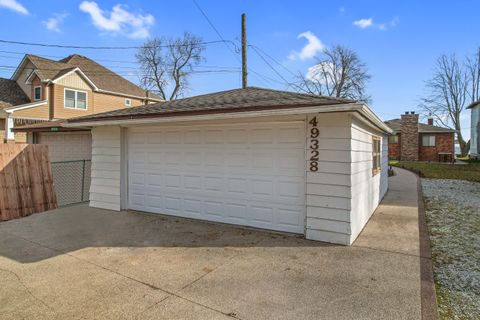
[
  {"x": 26, "y": 106},
  {"x": 367, "y": 114}
]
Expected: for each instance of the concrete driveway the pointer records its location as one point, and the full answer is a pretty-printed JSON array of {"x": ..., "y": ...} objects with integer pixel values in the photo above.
[{"x": 84, "y": 263}]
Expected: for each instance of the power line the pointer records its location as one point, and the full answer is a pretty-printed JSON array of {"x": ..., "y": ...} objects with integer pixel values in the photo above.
[
  {"x": 99, "y": 73},
  {"x": 106, "y": 60},
  {"x": 216, "y": 30},
  {"x": 106, "y": 48},
  {"x": 289, "y": 84},
  {"x": 204, "y": 14},
  {"x": 273, "y": 59}
]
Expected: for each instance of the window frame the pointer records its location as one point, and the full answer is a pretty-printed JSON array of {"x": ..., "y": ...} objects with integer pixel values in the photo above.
[
  {"x": 40, "y": 95},
  {"x": 75, "y": 101},
  {"x": 393, "y": 136},
  {"x": 429, "y": 140},
  {"x": 129, "y": 104},
  {"x": 376, "y": 155}
]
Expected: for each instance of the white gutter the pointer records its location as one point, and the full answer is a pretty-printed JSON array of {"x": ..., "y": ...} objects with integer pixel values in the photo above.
[
  {"x": 25, "y": 106},
  {"x": 364, "y": 110},
  {"x": 372, "y": 117},
  {"x": 130, "y": 96}
]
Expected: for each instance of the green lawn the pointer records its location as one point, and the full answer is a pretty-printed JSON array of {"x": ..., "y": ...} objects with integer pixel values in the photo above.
[{"x": 469, "y": 171}]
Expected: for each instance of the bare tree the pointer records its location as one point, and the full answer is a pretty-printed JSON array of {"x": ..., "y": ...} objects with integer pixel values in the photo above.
[
  {"x": 338, "y": 72},
  {"x": 451, "y": 89},
  {"x": 473, "y": 69},
  {"x": 167, "y": 64}
]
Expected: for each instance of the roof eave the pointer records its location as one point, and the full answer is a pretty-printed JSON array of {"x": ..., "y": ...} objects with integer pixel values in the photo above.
[
  {"x": 130, "y": 95},
  {"x": 473, "y": 105},
  {"x": 20, "y": 67},
  {"x": 25, "y": 106},
  {"x": 437, "y": 131},
  {"x": 132, "y": 120}
]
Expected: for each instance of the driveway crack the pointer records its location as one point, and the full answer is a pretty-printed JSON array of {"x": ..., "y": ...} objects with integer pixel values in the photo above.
[
  {"x": 27, "y": 288},
  {"x": 171, "y": 293}
]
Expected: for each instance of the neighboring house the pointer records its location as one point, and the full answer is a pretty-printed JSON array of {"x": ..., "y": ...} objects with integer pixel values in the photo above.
[
  {"x": 49, "y": 90},
  {"x": 263, "y": 158},
  {"x": 475, "y": 130},
  {"x": 10, "y": 95},
  {"x": 414, "y": 141}
]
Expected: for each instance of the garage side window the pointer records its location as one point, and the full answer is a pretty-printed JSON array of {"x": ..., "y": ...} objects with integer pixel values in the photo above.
[
  {"x": 393, "y": 139},
  {"x": 428, "y": 141},
  {"x": 376, "y": 155},
  {"x": 75, "y": 99}
]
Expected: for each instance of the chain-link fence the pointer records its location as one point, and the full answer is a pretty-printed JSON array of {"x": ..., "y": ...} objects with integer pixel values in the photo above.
[{"x": 71, "y": 181}]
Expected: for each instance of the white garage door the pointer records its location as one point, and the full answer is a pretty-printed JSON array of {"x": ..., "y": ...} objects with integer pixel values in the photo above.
[
  {"x": 67, "y": 146},
  {"x": 246, "y": 174}
]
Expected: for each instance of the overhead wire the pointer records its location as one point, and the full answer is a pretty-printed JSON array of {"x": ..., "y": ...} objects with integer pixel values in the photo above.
[
  {"x": 49, "y": 45},
  {"x": 215, "y": 29},
  {"x": 286, "y": 82}
]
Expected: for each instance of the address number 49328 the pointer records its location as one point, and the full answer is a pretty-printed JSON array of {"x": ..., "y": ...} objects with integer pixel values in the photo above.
[{"x": 314, "y": 133}]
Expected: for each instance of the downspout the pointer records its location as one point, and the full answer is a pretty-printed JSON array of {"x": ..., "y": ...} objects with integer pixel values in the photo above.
[
  {"x": 50, "y": 98},
  {"x": 4, "y": 116}
]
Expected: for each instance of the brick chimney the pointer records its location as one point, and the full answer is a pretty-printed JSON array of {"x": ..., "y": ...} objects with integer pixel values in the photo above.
[
  {"x": 409, "y": 133},
  {"x": 430, "y": 121}
]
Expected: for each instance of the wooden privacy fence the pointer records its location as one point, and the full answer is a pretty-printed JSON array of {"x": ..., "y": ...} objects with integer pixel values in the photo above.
[{"x": 26, "y": 182}]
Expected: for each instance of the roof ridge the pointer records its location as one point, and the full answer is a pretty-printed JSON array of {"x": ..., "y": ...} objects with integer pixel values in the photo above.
[
  {"x": 270, "y": 90},
  {"x": 307, "y": 94},
  {"x": 43, "y": 58}
]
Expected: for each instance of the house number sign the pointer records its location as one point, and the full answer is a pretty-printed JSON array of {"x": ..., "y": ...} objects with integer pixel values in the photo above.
[{"x": 313, "y": 148}]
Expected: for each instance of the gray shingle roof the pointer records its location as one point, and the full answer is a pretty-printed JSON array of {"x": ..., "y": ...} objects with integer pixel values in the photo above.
[
  {"x": 473, "y": 104},
  {"x": 11, "y": 94},
  {"x": 102, "y": 77},
  {"x": 396, "y": 125},
  {"x": 237, "y": 100}
]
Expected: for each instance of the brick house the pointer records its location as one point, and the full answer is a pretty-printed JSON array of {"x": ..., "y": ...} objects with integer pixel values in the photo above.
[{"x": 414, "y": 141}]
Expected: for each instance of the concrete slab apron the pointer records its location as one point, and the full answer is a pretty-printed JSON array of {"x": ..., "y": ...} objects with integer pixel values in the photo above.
[{"x": 79, "y": 262}]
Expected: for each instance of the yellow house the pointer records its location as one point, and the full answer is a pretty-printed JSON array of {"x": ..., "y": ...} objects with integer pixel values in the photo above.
[{"x": 43, "y": 90}]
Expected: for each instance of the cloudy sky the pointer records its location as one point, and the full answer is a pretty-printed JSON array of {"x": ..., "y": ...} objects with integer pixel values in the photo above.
[{"x": 399, "y": 41}]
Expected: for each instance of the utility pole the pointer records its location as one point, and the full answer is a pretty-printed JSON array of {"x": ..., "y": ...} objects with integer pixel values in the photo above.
[{"x": 244, "y": 52}]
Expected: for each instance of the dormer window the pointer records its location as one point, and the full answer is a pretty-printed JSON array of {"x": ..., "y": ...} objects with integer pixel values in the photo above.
[
  {"x": 128, "y": 102},
  {"x": 37, "y": 93}
]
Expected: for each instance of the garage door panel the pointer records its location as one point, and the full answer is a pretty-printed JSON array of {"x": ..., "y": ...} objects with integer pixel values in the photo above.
[{"x": 249, "y": 174}]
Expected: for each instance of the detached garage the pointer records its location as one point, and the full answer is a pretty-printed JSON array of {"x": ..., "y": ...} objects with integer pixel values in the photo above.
[{"x": 256, "y": 157}]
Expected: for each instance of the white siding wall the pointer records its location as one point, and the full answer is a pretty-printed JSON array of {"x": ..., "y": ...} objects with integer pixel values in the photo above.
[
  {"x": 474, "y": 143},
  {"x": 106, "y": 168},
  {"x": 384, "y": 172},
  {"x": 328, "y": 189},
  {"x": 367, "y": 189},
  {"x": 340, "y": 197}
]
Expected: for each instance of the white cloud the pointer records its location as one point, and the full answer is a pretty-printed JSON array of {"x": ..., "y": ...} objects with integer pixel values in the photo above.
[
  {"x": 13, "y": 5},
  {"x": 313, "y": 46},
  {"x": 119, "y": 20},
  {"x": 53, "y": 23},
  {"x": 363, "y": 23},
  {"x": 369, "y": 23},
  {"x": 323, "y": 72}
]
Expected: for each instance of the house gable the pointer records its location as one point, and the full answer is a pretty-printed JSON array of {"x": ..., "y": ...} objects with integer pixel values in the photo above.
[
  {"x": 23, "y": 79},
  {"x": 74, "y": 80}
]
